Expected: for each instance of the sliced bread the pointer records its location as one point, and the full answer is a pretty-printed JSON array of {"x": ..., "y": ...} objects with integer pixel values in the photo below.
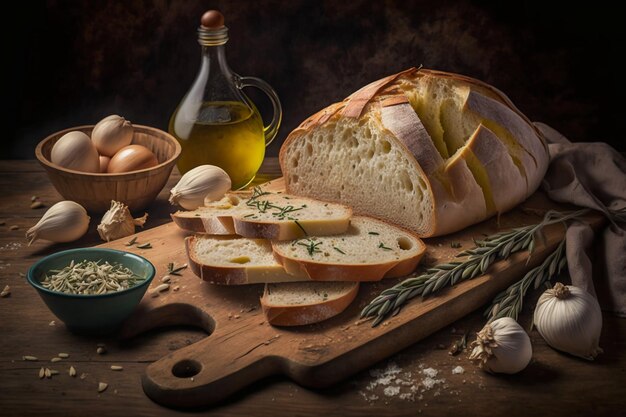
[
  {"x": 369, "y": 251},
  {"x": 233, "y": 260},
  {"x": 265, "y": 215},
  {"x": 300, "y": 303}
]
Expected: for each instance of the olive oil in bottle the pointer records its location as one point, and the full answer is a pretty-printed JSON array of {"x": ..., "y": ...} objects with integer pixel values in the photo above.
[
  {"x": 226, "y": 134},
  {"x": 216, "y": 123}
]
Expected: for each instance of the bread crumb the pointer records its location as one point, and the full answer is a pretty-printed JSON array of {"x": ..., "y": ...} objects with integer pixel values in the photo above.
[{"x": 458, "y": 370}]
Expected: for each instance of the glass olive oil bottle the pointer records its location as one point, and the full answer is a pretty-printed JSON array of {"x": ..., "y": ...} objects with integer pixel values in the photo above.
[{"x": 216, "y": 123}]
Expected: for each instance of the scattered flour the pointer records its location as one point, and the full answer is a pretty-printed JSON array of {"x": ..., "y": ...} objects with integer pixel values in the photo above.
[
  {"x": 458, "y": 370},
  {"x": 392, "y": 381},
  {"x": 392, "y": 391},
  {"x": 430, "y": 372},
  {"x": 11, "y": 246}
]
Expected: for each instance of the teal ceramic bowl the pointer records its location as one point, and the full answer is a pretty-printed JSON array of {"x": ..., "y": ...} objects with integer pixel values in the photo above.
[{"x": 102, "y": 313}]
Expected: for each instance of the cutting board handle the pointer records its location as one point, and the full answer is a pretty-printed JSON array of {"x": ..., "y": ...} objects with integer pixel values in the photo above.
[{"x": 207, "y": 372}]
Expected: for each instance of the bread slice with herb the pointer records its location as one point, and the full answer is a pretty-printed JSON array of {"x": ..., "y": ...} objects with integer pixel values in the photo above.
[
  {"x": 265, "y": 215},
  {"x": 300, "y": 303},
  {"x": 234, "y": 260},
  {"x": 370, "y": 250}
]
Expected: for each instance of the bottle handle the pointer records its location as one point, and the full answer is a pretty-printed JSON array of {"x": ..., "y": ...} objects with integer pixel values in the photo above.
[{"x": 272, "y": 129}]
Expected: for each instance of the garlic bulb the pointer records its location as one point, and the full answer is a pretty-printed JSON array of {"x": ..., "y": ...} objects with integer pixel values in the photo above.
[
  {"x": 112, "y": 134},
  {"x": 74, "y": 150},
  {"x": 65, "y": 221},
  {"x": 204, "y": 181},
  {"x": 570, "y": 319},
  {"x": 502, "y": 346},
  {"x": 117, "y": 222}
]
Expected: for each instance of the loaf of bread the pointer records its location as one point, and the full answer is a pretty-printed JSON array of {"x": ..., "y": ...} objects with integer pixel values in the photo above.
[{"x": 431, "y": 151}]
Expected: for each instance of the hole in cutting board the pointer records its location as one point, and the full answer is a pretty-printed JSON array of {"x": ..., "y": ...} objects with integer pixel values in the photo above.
[{"x": 186, "y": 368}]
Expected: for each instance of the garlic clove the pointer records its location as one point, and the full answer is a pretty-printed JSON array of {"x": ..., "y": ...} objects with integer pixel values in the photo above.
[
  {"x": 570, "y": 320},
  {"x": 203, "y": 182},
  {"x": 502, "y": 346},
  {"x": 65, "y": 221},
  {"x": 117, "y": 222},
  {"x": 112, "y": 134}
]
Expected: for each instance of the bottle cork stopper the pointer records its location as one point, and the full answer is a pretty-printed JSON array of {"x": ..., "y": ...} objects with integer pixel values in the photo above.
[{"x": 212, "y": 19}]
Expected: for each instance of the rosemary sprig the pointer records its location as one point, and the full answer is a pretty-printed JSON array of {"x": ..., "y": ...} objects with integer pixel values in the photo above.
[
  {"x": 509, "y": 302},
  {"x": 381, "y": 245},
  {"x": 479, "y": 259}
]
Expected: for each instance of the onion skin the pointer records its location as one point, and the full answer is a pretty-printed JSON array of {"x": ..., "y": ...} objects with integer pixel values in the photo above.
[
  {"x": 104, "y": 163},
  {"x": 132, "y": 158}
]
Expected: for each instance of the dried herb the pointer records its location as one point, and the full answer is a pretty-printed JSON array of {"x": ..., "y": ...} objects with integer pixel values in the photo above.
[
  {"x": 301, "y": 228},
  {"x": 311, "y": 246},
  {"x": 91, "y": 277},
  {"x": 339, "y": 250},
  {"x": 146, "y": 245},
  {"x": 373, "y": 233},
  {"x": 458, "y": 345},
  {"x": 381, "y": 245},
  {"x": 455, "y": 245},
  {"x": 172, "y": 270}
]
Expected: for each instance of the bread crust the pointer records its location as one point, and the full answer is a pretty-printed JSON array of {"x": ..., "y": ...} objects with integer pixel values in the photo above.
[
  {"x": 235, "y": 275},
  {"x": 298, "y": 315},
  {"x": 262, "y": 229}
]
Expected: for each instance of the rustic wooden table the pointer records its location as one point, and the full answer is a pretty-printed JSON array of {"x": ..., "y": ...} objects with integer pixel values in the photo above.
[{"x": 406, "y": 384}]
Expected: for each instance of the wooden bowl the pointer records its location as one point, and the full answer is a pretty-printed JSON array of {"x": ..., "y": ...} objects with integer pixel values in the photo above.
[{"x": 94, "y": 191}]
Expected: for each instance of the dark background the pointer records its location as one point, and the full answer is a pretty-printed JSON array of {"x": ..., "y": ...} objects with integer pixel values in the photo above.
[{"x": 73, "y": 62}]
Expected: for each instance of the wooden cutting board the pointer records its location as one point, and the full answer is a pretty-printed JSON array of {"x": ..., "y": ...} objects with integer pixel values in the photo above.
[{"x": 242, "y": 348}]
